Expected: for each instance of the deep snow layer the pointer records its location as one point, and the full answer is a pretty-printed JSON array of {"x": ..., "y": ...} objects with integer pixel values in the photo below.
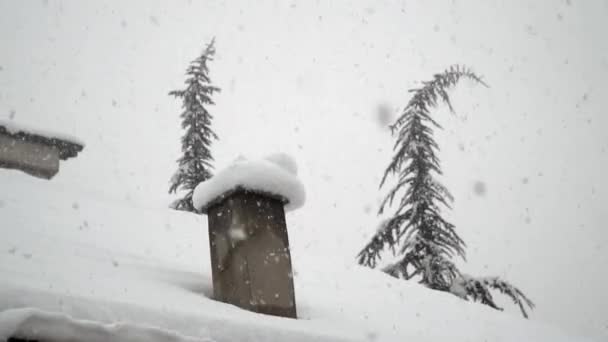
[
  {"x": 276, "y": 174},
  {"x": 74, "y": 265},
  {"x": 38, "y": 324}
]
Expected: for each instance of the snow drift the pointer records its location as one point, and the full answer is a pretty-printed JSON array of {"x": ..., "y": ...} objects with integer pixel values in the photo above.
[{"x": 76, "y": 267}]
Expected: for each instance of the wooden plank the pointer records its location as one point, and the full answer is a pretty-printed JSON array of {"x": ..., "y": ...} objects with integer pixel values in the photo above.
[
  {"x": 250, "y": 257},
  {"x": 66, "y": 149},
  {"x": 33, "y": 158}
]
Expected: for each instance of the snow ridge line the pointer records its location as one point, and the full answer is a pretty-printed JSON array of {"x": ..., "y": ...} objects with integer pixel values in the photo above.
[{"x": 30, "y": 323}]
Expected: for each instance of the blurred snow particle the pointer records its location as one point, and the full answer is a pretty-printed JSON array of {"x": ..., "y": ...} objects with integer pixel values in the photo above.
[
  {"x": 525, "y": 180},
  {"x": 154, "y": 20},
  {"x": 479, "y": 188},
  {"x": 13, "y": 250},
  {"x": 367, "y": 209},
  {"x": 527, "y": 220},
  {"x": 114, "y": 103},
  {"x": 384, "y": 115},
  {"x": 300, "y": 82},
  {"x": 237, "y": 233},
  {"x": 75, "y": 206},
  {"x": 531, "y": 30},
  {"x": 123, "y": 23},
  {"x": 11, "y": 114},
  {"x": 115, "y": 263},
  {"x": 461, "y": 146}
]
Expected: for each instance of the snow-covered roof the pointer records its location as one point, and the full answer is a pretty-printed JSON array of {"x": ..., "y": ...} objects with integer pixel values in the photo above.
[
  {"x": 75, "y": 267},
  {"x": 275, "y": 175},
  {"x": 67, "y": 145}
]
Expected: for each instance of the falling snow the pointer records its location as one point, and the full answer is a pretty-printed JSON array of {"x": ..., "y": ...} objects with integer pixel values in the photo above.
[{"x": 479, "y": 188}]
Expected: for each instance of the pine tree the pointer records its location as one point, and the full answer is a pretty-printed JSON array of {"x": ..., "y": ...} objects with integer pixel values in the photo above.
[
  {"x": 195, "y": 163},
  {"x": 423, "y": 239},
  {"x": 427, "y": 240}
]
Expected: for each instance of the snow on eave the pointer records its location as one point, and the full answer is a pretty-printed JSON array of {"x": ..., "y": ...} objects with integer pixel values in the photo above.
[
  {"x": 68, "y": 146},
  {"x": 274, "y": 176}
]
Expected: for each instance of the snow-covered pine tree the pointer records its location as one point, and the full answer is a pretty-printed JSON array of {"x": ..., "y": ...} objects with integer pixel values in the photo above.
[
  {"x": 426, "y": 242},
  {"x": 195, "y": 163},
  {"x": 426, "y": 239}
]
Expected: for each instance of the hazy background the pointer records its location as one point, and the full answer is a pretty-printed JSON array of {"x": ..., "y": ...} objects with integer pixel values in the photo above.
[{"x": 524, "y": 158}]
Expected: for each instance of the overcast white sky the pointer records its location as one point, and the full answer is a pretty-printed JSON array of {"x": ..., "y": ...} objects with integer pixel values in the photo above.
[{"x": 307, "y": 78}]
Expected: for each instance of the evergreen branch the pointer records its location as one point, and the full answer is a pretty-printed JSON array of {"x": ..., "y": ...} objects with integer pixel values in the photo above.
[
  {"x": 478, "y": 289},
  {"x": 385, "y": 234}
]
